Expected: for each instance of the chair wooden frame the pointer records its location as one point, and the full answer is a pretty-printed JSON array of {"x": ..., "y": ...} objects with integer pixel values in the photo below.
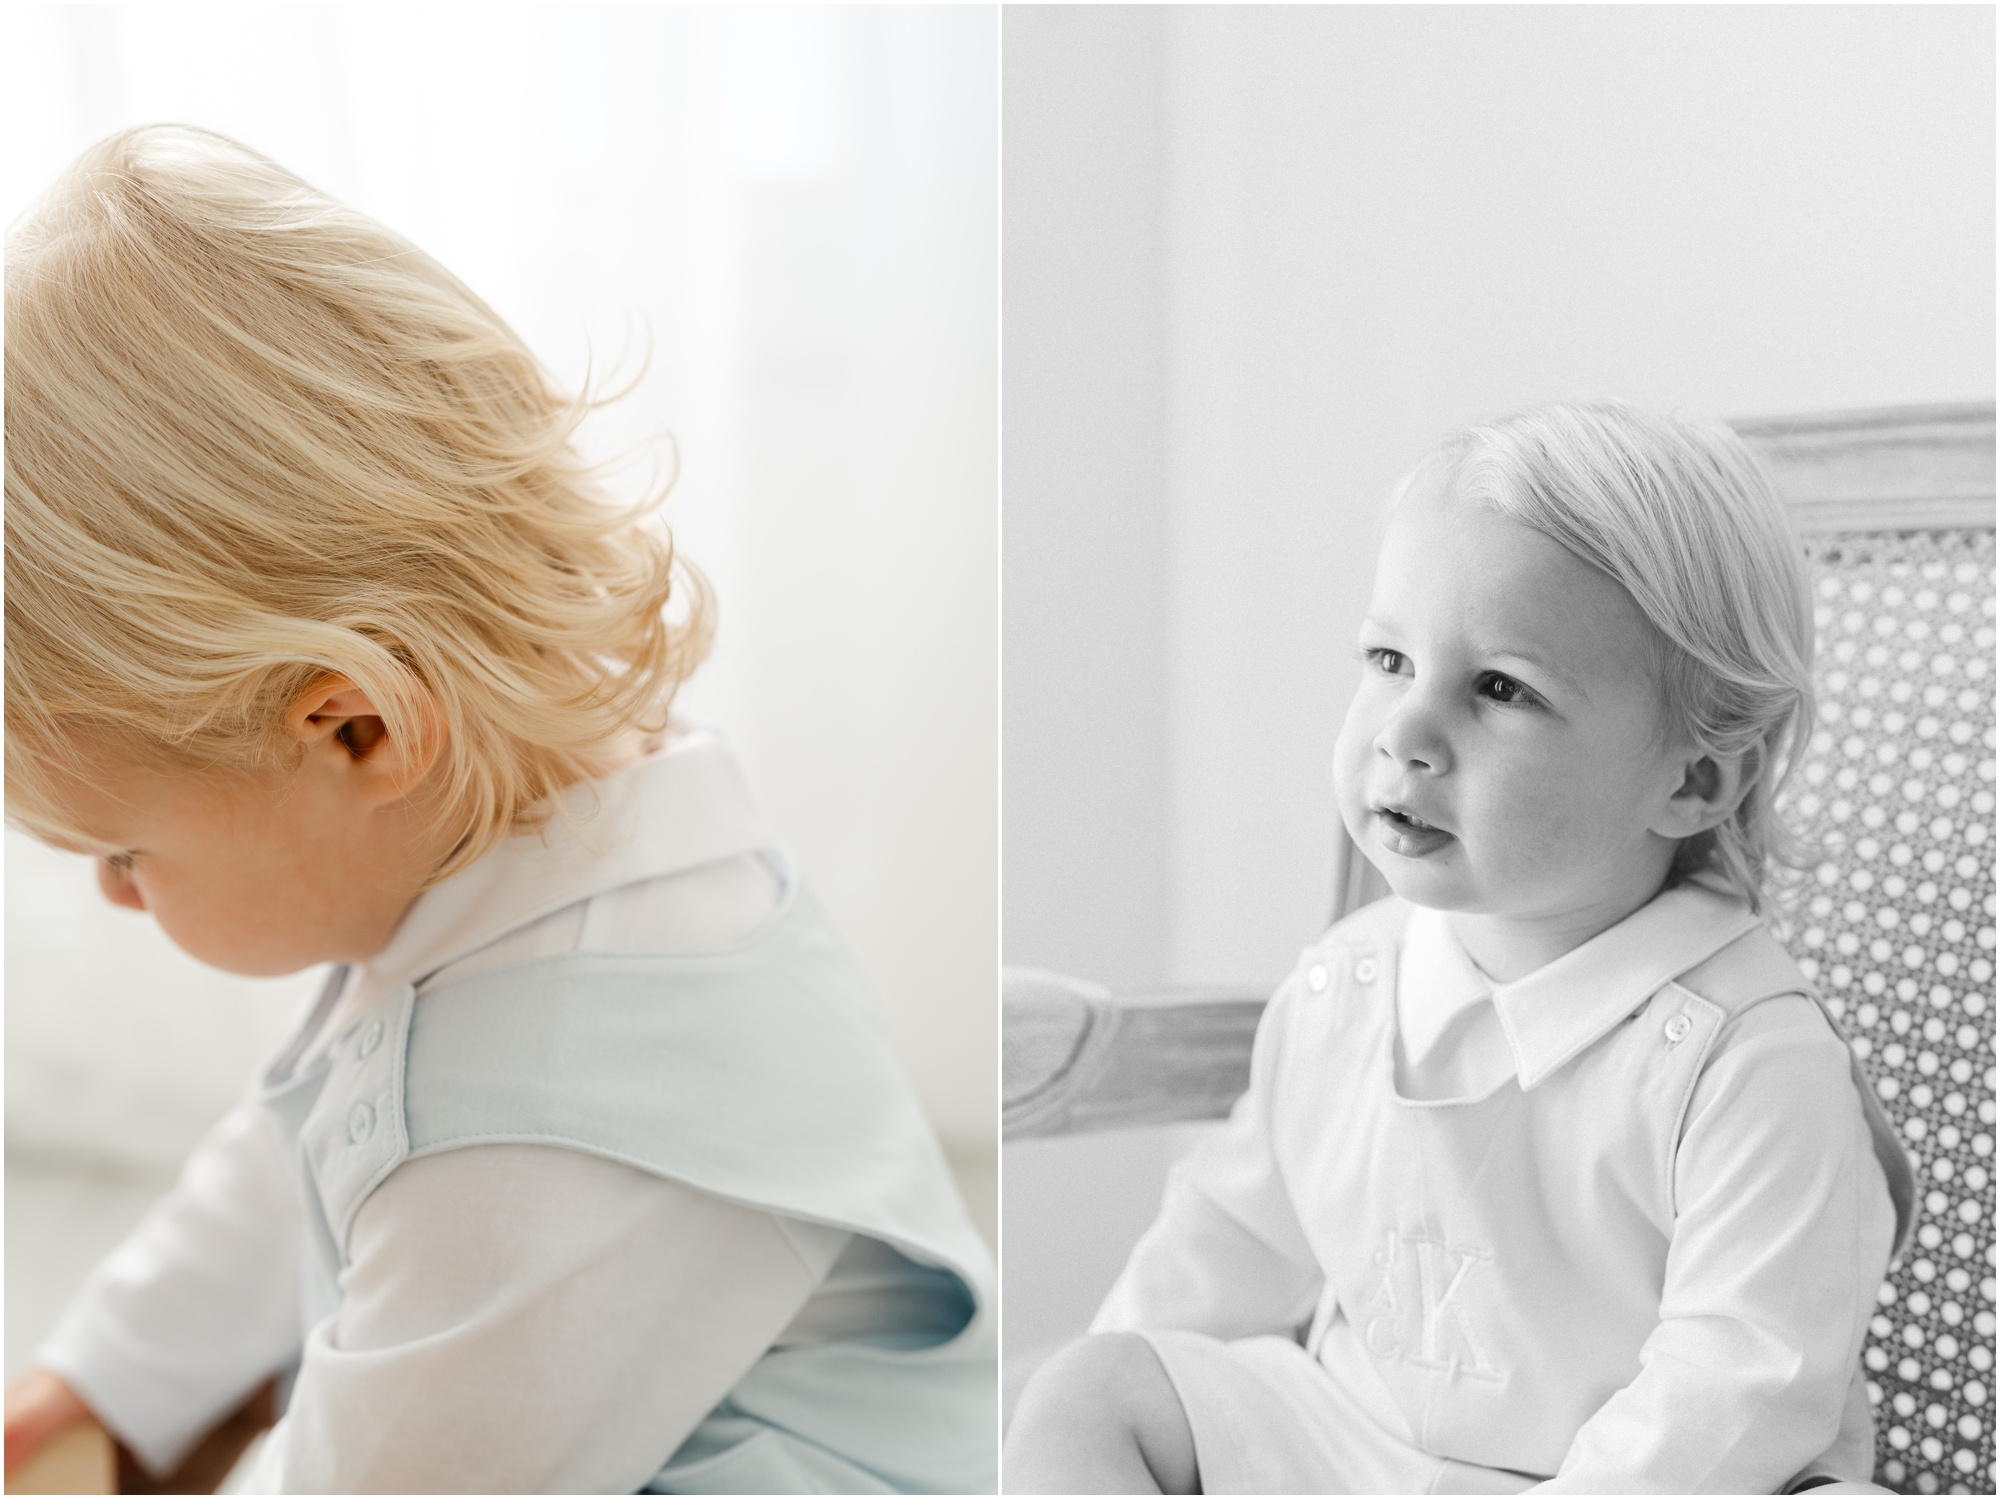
[{"x": 1073, "y": 1063}]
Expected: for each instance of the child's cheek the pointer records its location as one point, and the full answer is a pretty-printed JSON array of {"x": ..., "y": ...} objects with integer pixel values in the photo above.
[
  {"x": 1536, "y": 817},
  {"x": 1350, "y": 765},
  {"x": 1565, "y": 820}
]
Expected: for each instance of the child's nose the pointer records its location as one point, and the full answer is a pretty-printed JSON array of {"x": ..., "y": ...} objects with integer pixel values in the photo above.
[
  {"x": 1413, "y": 735},
  {"x": 118, "y": 887}
]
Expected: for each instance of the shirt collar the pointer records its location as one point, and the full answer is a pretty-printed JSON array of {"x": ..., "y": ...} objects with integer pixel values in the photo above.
[
  {"x": 1435, "y": 980},
  {"x": 675, "y": 810},
  {"x": 1559, "y": 1009}
]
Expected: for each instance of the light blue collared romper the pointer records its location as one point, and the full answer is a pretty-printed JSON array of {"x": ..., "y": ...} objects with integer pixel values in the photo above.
[{"x": 753, "y": 1074}]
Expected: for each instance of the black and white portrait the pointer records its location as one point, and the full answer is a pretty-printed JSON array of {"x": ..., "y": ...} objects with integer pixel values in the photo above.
[{"x": 1354, "y": 359}]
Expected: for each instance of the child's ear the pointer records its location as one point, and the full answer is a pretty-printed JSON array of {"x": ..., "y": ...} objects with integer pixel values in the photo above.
[
  {"x": 339, "y": 725},
  {"x": 1710, "y": 789}
]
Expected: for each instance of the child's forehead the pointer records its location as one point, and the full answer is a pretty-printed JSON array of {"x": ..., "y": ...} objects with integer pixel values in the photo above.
[
  {"x": 1435, "y": 524},
  {"x": 82, "y": 796},
  {"x": 1456, "y": 561}
]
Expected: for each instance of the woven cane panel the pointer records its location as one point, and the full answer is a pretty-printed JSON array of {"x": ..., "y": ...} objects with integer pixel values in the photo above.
[{"x": 1895, "y": 922}]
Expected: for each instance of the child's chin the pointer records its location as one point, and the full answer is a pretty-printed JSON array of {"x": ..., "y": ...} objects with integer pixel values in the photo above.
[
  {"x": 1420, "y": 883},
  {"x": 246, "y": 960}
]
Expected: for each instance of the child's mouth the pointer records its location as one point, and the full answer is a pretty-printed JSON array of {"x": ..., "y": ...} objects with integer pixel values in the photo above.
[{"x": 1408, "y": 835}]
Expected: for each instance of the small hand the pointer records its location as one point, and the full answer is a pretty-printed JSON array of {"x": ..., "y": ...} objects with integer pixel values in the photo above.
[{"x": 39, "y": 1404}]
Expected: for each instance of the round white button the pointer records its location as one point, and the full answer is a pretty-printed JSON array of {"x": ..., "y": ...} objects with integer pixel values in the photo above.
[
  {"x": 370, "y": 1038},
  {"x": 1677, "y": 1029},
  {"x": 1365, "y": 971},
  {"x": 1316, "y": 977},
  {"x": 360, "y": 1123}
]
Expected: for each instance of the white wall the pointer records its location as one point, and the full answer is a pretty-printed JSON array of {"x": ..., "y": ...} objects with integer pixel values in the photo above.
[
  {"x": 1087, "y": 824},
  {"x": 1085, "y": 553},
  {"x": 1371, "y": 224}
]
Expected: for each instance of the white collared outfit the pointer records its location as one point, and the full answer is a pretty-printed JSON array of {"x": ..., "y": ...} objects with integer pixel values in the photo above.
[
  {"x": 1615, "y": 1227},
  {"x": 488, "y": 1293}
]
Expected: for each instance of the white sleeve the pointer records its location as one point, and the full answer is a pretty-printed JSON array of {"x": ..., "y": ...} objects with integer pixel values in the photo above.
[
  {"x": 199, "y": 1305},
  {"x": 527, "y": 1318},
  {"x": 1782, "y": 1232},
  {"x": 1227, "y": 1256}
]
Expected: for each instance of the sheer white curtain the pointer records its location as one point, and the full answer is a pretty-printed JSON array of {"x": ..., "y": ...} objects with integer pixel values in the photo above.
[{"x": 794, "y": 210}]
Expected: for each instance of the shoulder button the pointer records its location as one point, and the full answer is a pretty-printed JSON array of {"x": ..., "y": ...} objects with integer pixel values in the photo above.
[
  {"x": 1316, "y": 977},
  {"x": 1365, "y": 971}
]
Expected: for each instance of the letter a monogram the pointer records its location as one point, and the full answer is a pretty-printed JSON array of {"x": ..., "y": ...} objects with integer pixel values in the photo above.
[{"x": 1427, "y": 1277}]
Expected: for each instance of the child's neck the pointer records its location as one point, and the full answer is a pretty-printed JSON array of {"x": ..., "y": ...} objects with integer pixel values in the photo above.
[{"x": 1506, "y": 948}]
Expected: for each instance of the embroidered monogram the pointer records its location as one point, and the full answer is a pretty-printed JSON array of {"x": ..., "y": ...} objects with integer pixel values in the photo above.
[{"x": 1415, "y": 1313}]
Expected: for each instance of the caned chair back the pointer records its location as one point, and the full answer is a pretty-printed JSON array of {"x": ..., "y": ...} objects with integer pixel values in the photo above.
[{"x": 1894, "y": 918}]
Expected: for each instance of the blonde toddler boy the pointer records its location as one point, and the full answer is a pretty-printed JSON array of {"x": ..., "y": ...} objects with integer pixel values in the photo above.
[
  {"x": 1551, "y": 1173},
  {"x": 589, "y": 1172}
]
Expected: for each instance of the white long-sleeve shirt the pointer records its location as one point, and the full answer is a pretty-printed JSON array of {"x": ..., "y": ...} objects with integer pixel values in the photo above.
[
  {"x": 1596, "y": 1224},
  {"x": 513, "y": 1316}
]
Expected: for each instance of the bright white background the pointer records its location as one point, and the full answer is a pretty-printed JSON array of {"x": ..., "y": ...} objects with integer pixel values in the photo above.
[
  {"x": 795, "y": 210},
  {"x": 1256, "y": 259}
]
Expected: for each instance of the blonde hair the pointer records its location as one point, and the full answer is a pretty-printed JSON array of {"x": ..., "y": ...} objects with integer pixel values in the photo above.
[
  {"x": 1682, "y": 516},
  {"x": 253, "y": 439}
]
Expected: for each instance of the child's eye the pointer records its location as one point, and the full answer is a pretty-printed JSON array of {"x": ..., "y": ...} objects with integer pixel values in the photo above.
[
  {"x": 1383, "y": 659},
  {"x": 1504, "y": 689},
  {"x": 119, "y": 863}
]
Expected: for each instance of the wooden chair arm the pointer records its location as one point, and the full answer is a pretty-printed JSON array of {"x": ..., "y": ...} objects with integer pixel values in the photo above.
[{"x": 1075, "y": 1058}]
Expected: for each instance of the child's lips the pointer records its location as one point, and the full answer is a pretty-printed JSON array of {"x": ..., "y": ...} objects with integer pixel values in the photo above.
[{"x": 1405, "y": 833}]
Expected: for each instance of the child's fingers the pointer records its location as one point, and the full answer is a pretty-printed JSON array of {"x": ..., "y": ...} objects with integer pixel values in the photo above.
[{"x": 39, "y": 1404}]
